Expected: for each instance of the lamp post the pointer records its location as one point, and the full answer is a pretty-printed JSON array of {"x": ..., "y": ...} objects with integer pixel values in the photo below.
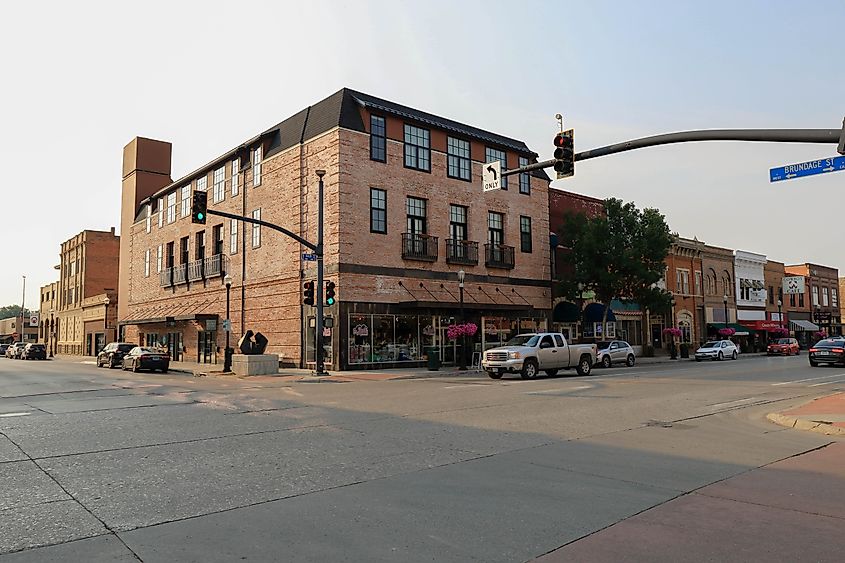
[
  {"x": 106, "y": 302},
  {"x": 672, "y": 352},
  {"x": 52, "y": 335},
  {"x": 227, "y": 352},
  {"x": 780, "y": 315},
  {"x": 463, "y": 361},
  {"x": 725, "y": 301}
]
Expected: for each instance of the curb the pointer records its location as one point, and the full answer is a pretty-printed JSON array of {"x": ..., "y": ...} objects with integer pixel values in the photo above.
[{"x": 820, "y": 426}]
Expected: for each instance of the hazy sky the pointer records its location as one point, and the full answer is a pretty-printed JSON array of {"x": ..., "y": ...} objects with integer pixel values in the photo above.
[{"x": 83, "y": 78}]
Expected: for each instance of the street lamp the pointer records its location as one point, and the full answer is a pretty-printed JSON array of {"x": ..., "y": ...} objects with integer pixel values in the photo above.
[
  {"x": 780, "y": 316},
  {"x": 725, "y": 301},
  {"x": 106, "y": 302},
  {"x": 227, "y": 352},
  {"x": 463, "y": 360},
  {"x": 672, "y": 352},
  {"x": 52, "y": 335}
]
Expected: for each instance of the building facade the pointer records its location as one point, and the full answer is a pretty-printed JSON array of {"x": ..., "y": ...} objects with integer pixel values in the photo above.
[
  {"x": 750, "y": 288},
  {"x": 49, "y": 307},
  {"x": 10, "y": 330},
  {"x": 88, "y": 280},
  {"x": 404, "y": 214},
  {"x": 816, "y": 305},
  {"x": 684, "y": 280},
  {"x": 719, "y": 296}
]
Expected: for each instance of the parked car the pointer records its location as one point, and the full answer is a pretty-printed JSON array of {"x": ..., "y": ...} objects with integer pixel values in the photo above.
[
  {"x": 615, "y": 352},
  {"x": 14, "y": 351},
  {"x": 3, "y": 348},
  {"x": 34, "y": 352},
  {"x": 146, "y": 358},
  {"x": 527, "y": 354},
  {"x": 112, "y": 354},
  {"x": 717, "y": 350},
  {"x": 827, "y": 351},
  {"x": 784, "y": 346}
]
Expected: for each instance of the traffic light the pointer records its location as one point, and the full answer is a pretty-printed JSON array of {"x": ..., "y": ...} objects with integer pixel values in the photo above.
[
  {"x": 308, "y": 293},
  {"x": 330, "y": 300},
  {"x": 565, "y": 154},
  {"x": 199, "y": 208}
]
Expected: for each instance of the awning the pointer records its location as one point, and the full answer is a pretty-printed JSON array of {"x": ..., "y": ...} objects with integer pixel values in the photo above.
[
  {"x": 739, "y": 329},
  {"x": 566, "y": 312},
  {"x": 594, "y": 312},
  {"x": 802, "y": 325}
]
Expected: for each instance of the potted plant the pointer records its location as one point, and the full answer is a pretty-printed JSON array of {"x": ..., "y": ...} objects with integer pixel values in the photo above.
[
  {"x": 780, "y": 332},
  {"x": 453, "y": 332},
  {"x": 673, "y": 333}
]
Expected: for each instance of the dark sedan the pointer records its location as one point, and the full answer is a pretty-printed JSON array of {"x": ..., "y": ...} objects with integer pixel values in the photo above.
[
  {"x": 34, "y": 352},
  {"x": 112, "y": 354},
  {"x": 827, "y": 351},
  {"x": 146, "y": 358}
]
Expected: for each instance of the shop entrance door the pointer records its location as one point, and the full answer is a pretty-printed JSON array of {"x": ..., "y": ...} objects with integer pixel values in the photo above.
[
  {"x": 206, "y": 345},
  {"x": 174, "y": 345}
]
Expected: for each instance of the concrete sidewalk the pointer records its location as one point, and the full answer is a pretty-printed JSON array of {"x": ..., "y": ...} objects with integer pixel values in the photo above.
[{"x": 825, "y": 415}]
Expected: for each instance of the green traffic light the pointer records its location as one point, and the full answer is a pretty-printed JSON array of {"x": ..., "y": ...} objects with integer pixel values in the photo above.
[
  {"x": 330, "y": 301},
  {"x": 200, "y": 216}
]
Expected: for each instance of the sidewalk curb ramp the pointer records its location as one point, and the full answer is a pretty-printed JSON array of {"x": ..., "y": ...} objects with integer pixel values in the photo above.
[{"x": 822, "y": 426}]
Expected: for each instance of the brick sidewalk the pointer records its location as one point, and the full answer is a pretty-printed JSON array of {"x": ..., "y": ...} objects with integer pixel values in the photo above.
[{"x": 825, "y": 415}]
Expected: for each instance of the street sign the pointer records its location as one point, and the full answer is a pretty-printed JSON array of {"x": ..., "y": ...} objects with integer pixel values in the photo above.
[
  {"x": 811, "y": 168},
  {"x": 491, "y": 176},
  {"x": 33, "y": 320},
  {"x": 793, "y": 285},
  {"x": 822, "y": 316},
  {"x": 309, "y": 257}
]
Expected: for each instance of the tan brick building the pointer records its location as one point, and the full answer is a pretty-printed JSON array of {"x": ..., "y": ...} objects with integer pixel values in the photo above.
[
  {"x": 819, "y": 297},
  {"x": 404, "y": 210},
  {"x": 49, "y": 308},
  {"x": 684, "y": 281},
  {"x": 719, "y": 296},
  {"x": 88, "y": 276}
]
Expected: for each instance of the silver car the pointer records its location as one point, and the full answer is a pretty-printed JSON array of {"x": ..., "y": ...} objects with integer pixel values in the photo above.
[
  {"x": 615, "y": 352},
  {"x": 14, "y": 351}
]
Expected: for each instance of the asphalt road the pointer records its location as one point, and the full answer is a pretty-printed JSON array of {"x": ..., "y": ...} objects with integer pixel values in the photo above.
[{"x": 103, "y": 465}]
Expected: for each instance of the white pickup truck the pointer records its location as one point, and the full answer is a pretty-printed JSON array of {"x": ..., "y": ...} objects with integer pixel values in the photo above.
[{"x": 528, "y": 354}]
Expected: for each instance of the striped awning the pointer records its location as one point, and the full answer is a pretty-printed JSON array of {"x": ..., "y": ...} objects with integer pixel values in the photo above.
[{"x": 801, "y": 324}]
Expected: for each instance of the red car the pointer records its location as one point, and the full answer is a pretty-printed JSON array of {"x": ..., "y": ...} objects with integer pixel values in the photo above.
[{"x": 783, "y": 347}]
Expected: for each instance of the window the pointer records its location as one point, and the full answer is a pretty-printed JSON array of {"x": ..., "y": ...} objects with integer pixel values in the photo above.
[
  {"x": 697, "y": 282},
  {"x": 256, "y": 229},
  {"x": 417, "y": 151},
  {"x": 825, "y": 299},
  {"x": 233, "y": 236},
  {"x": 458, "y": 222},
  {"x": 171, "y": 207},
  {"x": 256, "y": 167},
  {"x": 202, "y": 184},
  {"x": 169, "y": 255},
  {"x": 495, "y": 228},
  {"x": 159, "y": 257},
  {"x": 815, "y": 296},
  {"x": 726, "y": 282},
  {"x": 771, "y": 295},
  {"x": 160, "y": 212},
  {"x": 186, "y": 200},
  {"x": 682, "y": 281},
  {"x": 236, "y": 176},
  {"x": 834, "y": 298},
  {"x": 491, "y": 155},
  {"x": 525, "y": 234},
  {"x": 378, "y": 139},
  {"x": 378, "y": 211},
  {"x": 217, "y": 237},
  {"x": 800, "y": 299},
  {"x": 219, "y": 185},
  {"x": 458, "y": 159},
  {"x": 792, "y": 300},
  {"x": 199, "y": 247},
  {"x": 183, "y": 250},
  {"x": 416, "y": 209},
  {"x": 524, "y": 177},
  {"x": 147, "y": 263}
]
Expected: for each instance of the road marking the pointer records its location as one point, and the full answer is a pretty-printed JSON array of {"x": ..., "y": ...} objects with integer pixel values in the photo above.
[
  {"x": 465, "y": 385},
  {"x": 734, "y": 402},
  {"x": 827, "y": 382},
  {"x": 10, "y": 414},
  {"x": 808, "y": 379}
]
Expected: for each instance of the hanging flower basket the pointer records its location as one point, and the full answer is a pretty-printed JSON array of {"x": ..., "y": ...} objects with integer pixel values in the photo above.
[
  {"x": 727, "y": 332},
  {"x": 671, "y": 331},
  {"x": 456, "y": 331},
  {"x": 780, "y": 332},
  {"x": 820, "y": 334}
]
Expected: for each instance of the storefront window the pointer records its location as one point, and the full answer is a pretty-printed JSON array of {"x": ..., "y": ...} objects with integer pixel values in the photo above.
[
  {"x": 407, "y": 339},
  {"x": 360, "y": 338},
  {"x": 383, "y": 335}
]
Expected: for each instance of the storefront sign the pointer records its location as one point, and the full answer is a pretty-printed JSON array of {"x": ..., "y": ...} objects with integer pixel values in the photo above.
[
  {"x": 793, "y": 285},
  {"x": 761, "y": 325}
]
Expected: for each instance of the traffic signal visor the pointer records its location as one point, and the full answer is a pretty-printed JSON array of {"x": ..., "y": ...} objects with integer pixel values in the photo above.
[
  {"x": 330, "y": 299},
  {"x": 308, "y": 293}
]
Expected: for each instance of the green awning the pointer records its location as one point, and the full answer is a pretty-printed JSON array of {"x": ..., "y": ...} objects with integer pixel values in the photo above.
[{"x": 740, "y": 330}]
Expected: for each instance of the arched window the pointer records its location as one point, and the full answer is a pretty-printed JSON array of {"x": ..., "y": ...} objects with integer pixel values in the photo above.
[
  {"x": 685, "y": 324},
  {"x": 711, "y": 281},
  {"x": 726, "y": 282}
]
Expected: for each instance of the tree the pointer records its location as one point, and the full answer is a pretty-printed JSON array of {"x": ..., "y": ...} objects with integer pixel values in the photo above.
[
  {"x": 619, "y": 255},
  {"x": 12, "y": 311}
]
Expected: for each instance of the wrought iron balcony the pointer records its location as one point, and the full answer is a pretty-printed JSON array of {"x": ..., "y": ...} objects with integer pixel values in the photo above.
[
  {"x": 419, "y": 247},
  {"x": 165, "y": 277},
  {"x": 196, "y": 270},
  {"x": 498, "y": 256},
  {"x": 461, "y": 251},
  {"x": 180, "y": 274},
  {"x": 216, "y": 265}
]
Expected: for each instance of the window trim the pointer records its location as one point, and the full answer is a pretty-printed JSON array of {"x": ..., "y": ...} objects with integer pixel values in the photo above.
[
  {"x": 233, "y": 236},
  {"x": 405, "y": 144},
  {"x": 236, "y": 176},
  {"x": 522, "y": 233},
  {"x": 382, "y": 137},
  {"x": 256, "y": 229},
  {"x": 257, "y": 161},
  {"x": 526, "y": 175},
  {"x": 468, "y": 158},
  {"x": 218, "y": 183},
  {"x": 383, "y": 210},
  {"x": 186, "y": 201}
]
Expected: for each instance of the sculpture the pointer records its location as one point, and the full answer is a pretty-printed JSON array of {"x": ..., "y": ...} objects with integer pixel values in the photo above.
[{"x": 252, "y": 344}]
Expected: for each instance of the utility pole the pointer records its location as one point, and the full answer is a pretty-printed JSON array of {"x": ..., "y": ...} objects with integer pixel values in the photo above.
[{"x": 318, "y": 338}]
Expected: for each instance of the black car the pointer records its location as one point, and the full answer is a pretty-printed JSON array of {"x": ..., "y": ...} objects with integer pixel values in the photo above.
[
  {"x": 112, "y": 354},
  {"x": 827, "y": 351},
  {"x": 34, "y": 352},
  {"x": 3, "y": 348},
  {"x": 146, "y": 358}
]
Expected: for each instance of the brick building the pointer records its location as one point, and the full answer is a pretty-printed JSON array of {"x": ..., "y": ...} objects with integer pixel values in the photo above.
[
  {"x": 818, "y": 296},
  {"x": 88, "y": 276},
  {"x": 404, "y": 213},
  {"x": 49, "y": 307},
  {"x": 719, "y": 296},
  {"x": 684, "y": 281}
]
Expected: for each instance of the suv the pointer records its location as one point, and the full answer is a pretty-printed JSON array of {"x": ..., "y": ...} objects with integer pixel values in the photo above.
[
  {"x": 112, "y": 354},
  {"x": 14, "y": 351},
  {"x": 3, "y": 348},
  {"x": 615, "y": 352},
  {"x": 34, "y": 352}
]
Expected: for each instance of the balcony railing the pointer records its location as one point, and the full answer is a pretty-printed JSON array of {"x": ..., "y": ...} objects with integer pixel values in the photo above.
[
  {"x": 419, "y": 247},
  {"x": 461, "y": 252},
  {"x": 180, "y": 274},
  {"x": 165, "y": 277},
  {"x": 216, "y": 265},
  {"x": 498, "y": 256},
  {"x": 196, "y": 270}
]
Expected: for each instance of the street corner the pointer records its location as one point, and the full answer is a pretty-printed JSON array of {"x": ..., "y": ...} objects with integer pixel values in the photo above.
[{"x": 825, "y": 415}]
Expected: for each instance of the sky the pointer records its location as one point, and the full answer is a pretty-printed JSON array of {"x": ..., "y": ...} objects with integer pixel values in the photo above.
[{"x": 81, "y": 79}]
